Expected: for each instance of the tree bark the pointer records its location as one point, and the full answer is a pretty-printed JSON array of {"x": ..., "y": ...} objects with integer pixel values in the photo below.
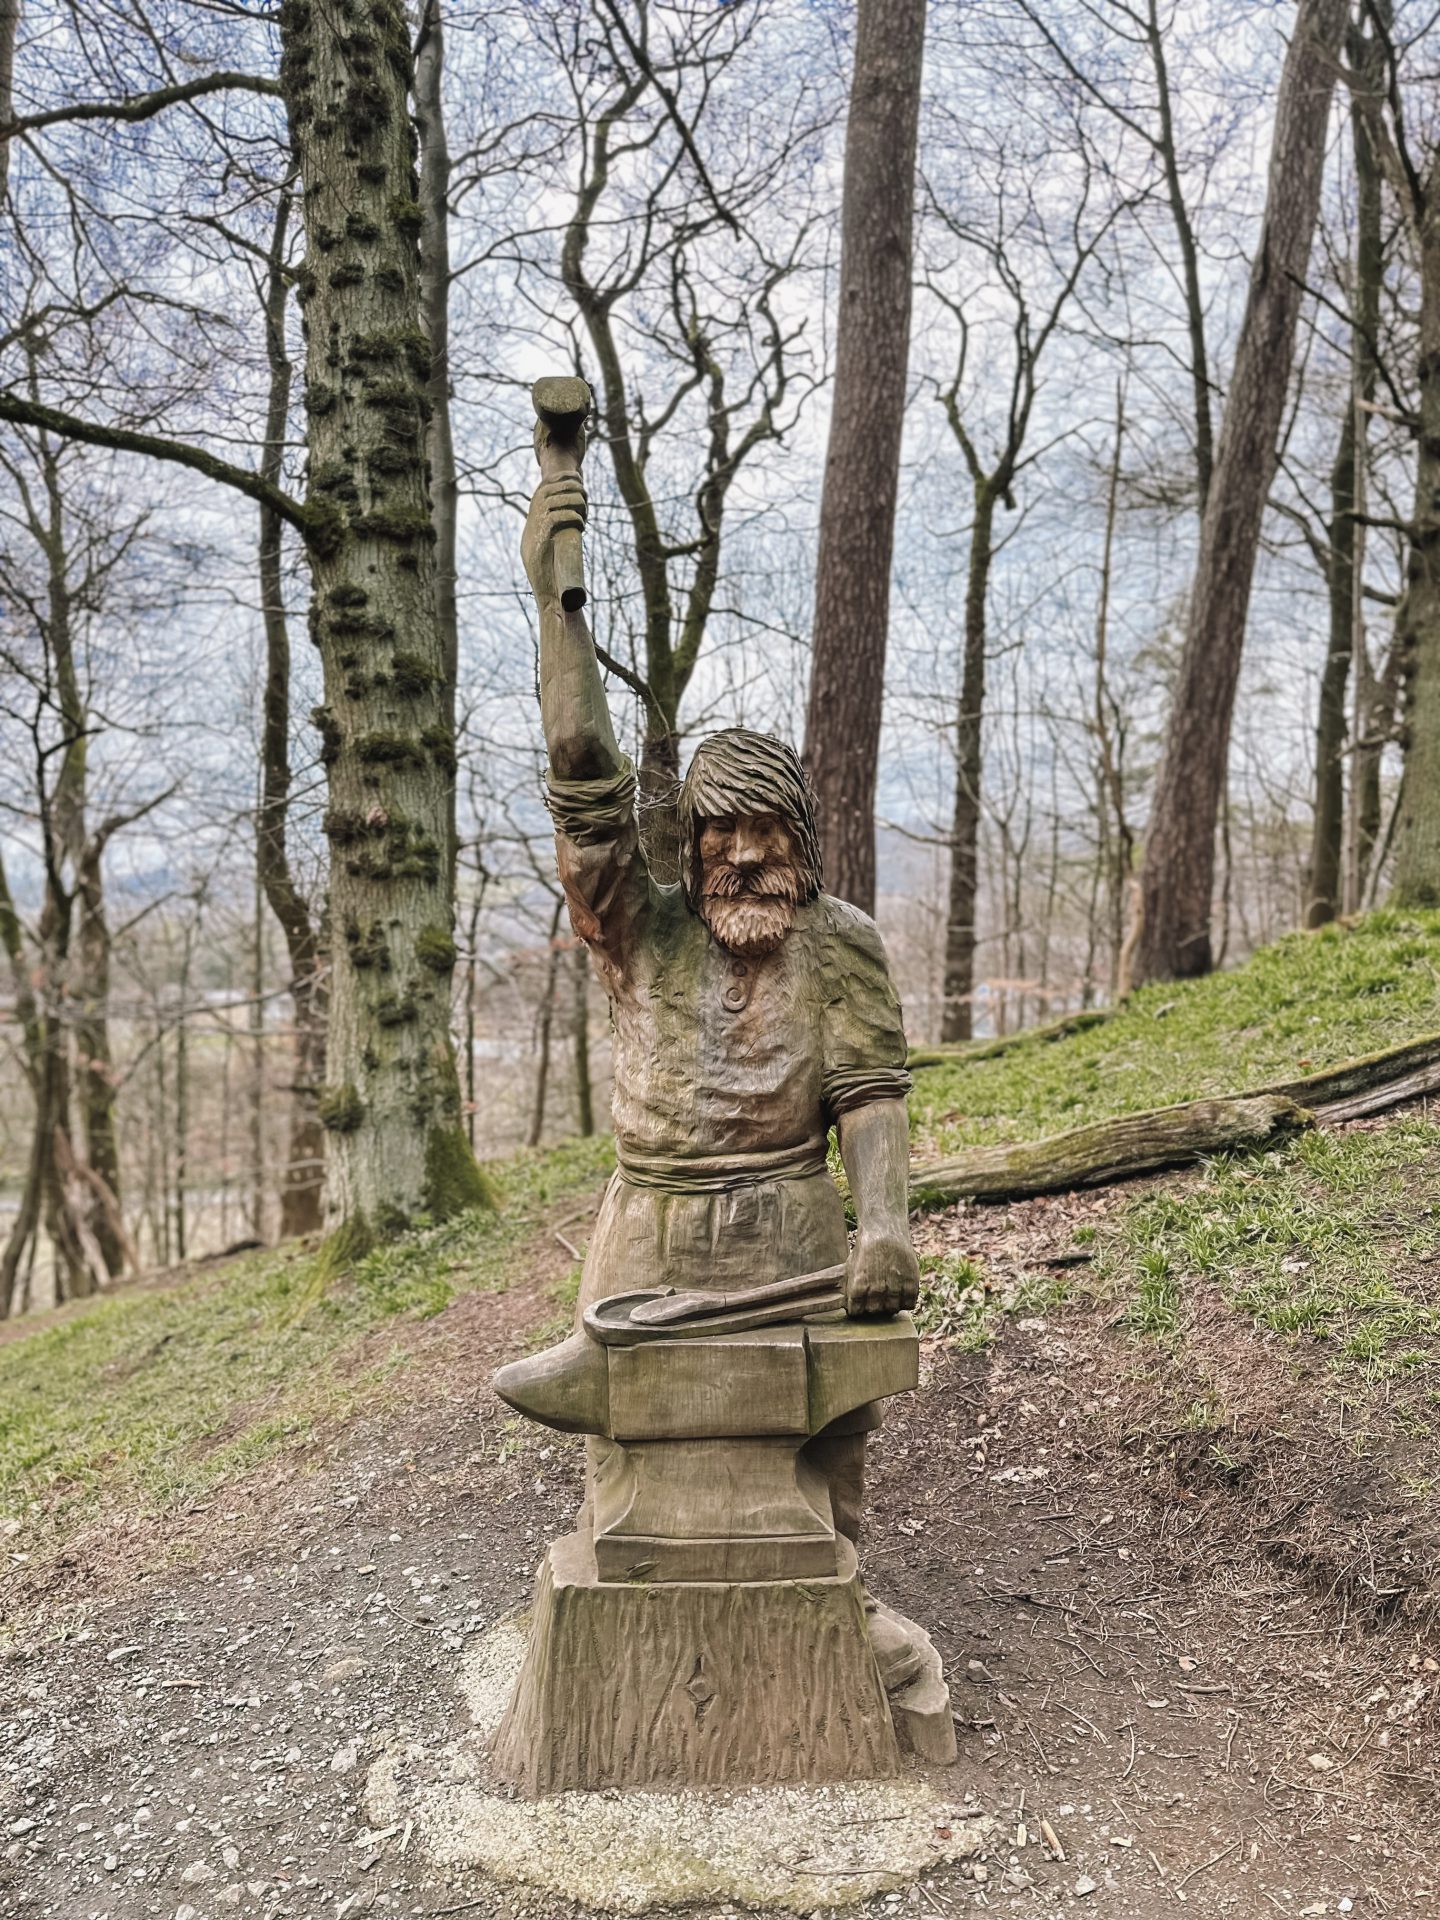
[
  {"x": 862, "y": 461},
  {"x": 957, "y": 1015},
  {"x": 547, "y": 1027},
  {"x": 9, "y": 33},
  {"x": 392, "y": 1102},
  {"x": 1179, "y": 865},
  {"x": 302, "y": 1183},
  {"x": 435, "y": 305},
  {"x": 580, "y": 1031},
  {"x": 1325, "y": 891},
  {"x": 1417, "y": 626},
  {"x": 1092, "y": 1156}
]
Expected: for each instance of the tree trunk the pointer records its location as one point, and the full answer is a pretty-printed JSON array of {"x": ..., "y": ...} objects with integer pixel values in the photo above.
[
  {"x": 1331, "y": 725},
  {"x": 392, "y": 1103},
  {"x": 957, "y": 1015},
  {"x": 95, "y": 1069},
  {"x": 1179, "y": 867},
  {"x": 435, "y": 305},
  {"x": 862, "y": 462},
  {"x": 302, "y": 1182},
  {"x": 580, "y": 1030},
  {"x": 1189, "y": 259},
  {"x": 9, "y": 32},
  {"x": 1417, "y": 626},
  {"x": 547, "y": 1027},
  {"x": 1325, "y": 892},
  {"x": 1107, "y": 1150}
]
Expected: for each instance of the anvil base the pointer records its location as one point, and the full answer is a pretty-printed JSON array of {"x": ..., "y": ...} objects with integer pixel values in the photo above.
[{"x": 694, "y": 1683}]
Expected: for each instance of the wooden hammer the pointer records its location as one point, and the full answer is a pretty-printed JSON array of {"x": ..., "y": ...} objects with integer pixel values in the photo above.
[{"x": 562, "y": 406}]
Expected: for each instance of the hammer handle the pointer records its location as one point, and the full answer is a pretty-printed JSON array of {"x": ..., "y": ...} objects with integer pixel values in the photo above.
[{"x": 557, "y": 458}]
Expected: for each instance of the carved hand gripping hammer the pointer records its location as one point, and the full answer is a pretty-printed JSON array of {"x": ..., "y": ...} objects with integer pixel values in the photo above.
[{"x": 562, "y": 405}]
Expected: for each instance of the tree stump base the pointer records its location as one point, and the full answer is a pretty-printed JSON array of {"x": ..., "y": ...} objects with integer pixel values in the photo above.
[{"x": 689, "y": 1684}]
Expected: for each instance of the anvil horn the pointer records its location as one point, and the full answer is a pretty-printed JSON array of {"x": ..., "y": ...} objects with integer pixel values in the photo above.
[{"x": 565, "y": 1387}]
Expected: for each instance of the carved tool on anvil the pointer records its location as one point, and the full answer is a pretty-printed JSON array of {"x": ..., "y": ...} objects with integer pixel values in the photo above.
[
  {"x": 670, "y": 1307},
  {"x": 562, "y": 406}
]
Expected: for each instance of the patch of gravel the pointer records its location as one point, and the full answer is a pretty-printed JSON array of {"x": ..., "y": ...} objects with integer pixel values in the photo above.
[{"x": 813, "y": 1848}]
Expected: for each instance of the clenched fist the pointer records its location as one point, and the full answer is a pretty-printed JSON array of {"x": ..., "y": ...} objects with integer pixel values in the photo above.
[
  {"x": 556, "y": 505},
  {"x": 882, "y": 1275}
]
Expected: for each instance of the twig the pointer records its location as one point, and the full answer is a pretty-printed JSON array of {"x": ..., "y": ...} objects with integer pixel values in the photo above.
[{"x": 1214, "y": 1861}]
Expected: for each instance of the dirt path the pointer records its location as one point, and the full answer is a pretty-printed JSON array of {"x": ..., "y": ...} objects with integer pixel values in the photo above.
[{"x": 1197, "y": 1732}]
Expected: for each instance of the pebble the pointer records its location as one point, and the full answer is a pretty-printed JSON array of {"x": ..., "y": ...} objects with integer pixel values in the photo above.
[
  {"x": 1085, "y": 1884},
  {"x": 197, "y": 1873},
  {"x": 345, "y": 1759}
]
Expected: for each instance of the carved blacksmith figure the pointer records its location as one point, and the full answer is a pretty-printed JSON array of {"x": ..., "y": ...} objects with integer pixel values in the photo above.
[
  {"x": 752, "y": 1012},
  {"x": 706, "y": 1621}
]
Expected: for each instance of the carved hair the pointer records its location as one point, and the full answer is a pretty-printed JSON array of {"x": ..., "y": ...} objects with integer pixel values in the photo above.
[{"x": 739, "y": 772}]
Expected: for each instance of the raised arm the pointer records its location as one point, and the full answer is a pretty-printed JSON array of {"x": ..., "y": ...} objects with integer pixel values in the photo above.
[{"x": 579, "y": 737}]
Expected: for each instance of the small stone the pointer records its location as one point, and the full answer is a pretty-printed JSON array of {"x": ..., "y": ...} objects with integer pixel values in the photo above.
[
  {"x": 345, "y": 1669},
  {"x": 229, "y": 1896},
  {"x": 1085, "y": 1884},
  {"x": 197, "y": 1873},
  {"x": 345, "y": 1759},
  {"x": 231, "y": 1857},
  {"x": 1321, "y": 1762}
]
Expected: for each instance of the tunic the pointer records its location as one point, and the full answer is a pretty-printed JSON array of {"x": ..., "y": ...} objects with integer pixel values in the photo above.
[{"x": 728, "y": 1072}]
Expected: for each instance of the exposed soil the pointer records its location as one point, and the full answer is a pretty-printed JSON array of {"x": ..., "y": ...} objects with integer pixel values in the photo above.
[{"x": 1142, "y": 1662}]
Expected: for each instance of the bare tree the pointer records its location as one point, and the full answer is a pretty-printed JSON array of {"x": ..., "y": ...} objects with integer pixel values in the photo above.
[
  {"x": 862, "y": 463},
  {"x": 302, "y": 1182},
  {"x": 1408, "y": 141},
  {"x": 992, "y": 473},
  {"x": 1177, "y": 875}
]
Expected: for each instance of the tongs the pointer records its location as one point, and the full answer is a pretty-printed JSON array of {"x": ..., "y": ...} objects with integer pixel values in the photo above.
[{"x": 803, "y": 1293}]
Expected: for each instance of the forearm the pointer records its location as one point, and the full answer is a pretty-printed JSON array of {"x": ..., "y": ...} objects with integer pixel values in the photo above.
[
  {"x": 579, "y": 736},
  {"x": 875, "y": 1149}
]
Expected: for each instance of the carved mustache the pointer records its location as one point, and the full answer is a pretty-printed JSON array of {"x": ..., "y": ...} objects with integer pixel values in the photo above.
[{"x": 767, "y": 882}]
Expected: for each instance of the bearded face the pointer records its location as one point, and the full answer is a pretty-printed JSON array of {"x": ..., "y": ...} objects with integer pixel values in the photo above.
[{"x": 750, "y": 882}]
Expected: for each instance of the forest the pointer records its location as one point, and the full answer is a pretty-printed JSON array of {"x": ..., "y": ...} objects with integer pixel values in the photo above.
[{"x": 1030, "y": 408}]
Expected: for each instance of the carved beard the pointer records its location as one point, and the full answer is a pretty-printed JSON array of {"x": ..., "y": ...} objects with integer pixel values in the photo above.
[{"x": 750, "y": 913}]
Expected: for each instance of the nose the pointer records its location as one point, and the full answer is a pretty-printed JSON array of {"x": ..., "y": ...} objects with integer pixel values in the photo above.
[{"x": 746, "y": 847}]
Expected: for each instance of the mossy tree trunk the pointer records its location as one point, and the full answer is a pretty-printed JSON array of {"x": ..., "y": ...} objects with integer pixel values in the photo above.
[{"x": 392, "y": 1100}]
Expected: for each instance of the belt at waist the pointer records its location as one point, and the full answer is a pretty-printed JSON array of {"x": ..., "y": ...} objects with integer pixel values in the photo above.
[{"x": 716, "y": 1172}]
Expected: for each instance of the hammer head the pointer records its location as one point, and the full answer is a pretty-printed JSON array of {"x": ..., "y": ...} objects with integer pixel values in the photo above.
[{"x": 561, "y": 403}]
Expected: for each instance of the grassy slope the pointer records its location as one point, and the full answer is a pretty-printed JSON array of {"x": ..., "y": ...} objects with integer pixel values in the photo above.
[
  {"x": 1307, "y": 1002},
  {"x": 155, "y": 1394},
  {"x": 1325, "y": 1251},
  {"x": 152, "y": 1396}
]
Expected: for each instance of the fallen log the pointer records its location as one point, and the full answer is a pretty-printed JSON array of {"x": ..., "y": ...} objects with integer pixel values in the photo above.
[
  {"x": 1106, "y": 1150},
  {"x": 947, "y": 1053},
  {"x": 1335, "y": 1088}
]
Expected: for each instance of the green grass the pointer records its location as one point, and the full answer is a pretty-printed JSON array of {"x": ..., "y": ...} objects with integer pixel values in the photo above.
[
  {"x": 1328, "y": 1240},
  {"x": 151, "y": 1397},
  {"x": 1307, "y": 1002},
  {"x": 962, "y": 1305}
]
